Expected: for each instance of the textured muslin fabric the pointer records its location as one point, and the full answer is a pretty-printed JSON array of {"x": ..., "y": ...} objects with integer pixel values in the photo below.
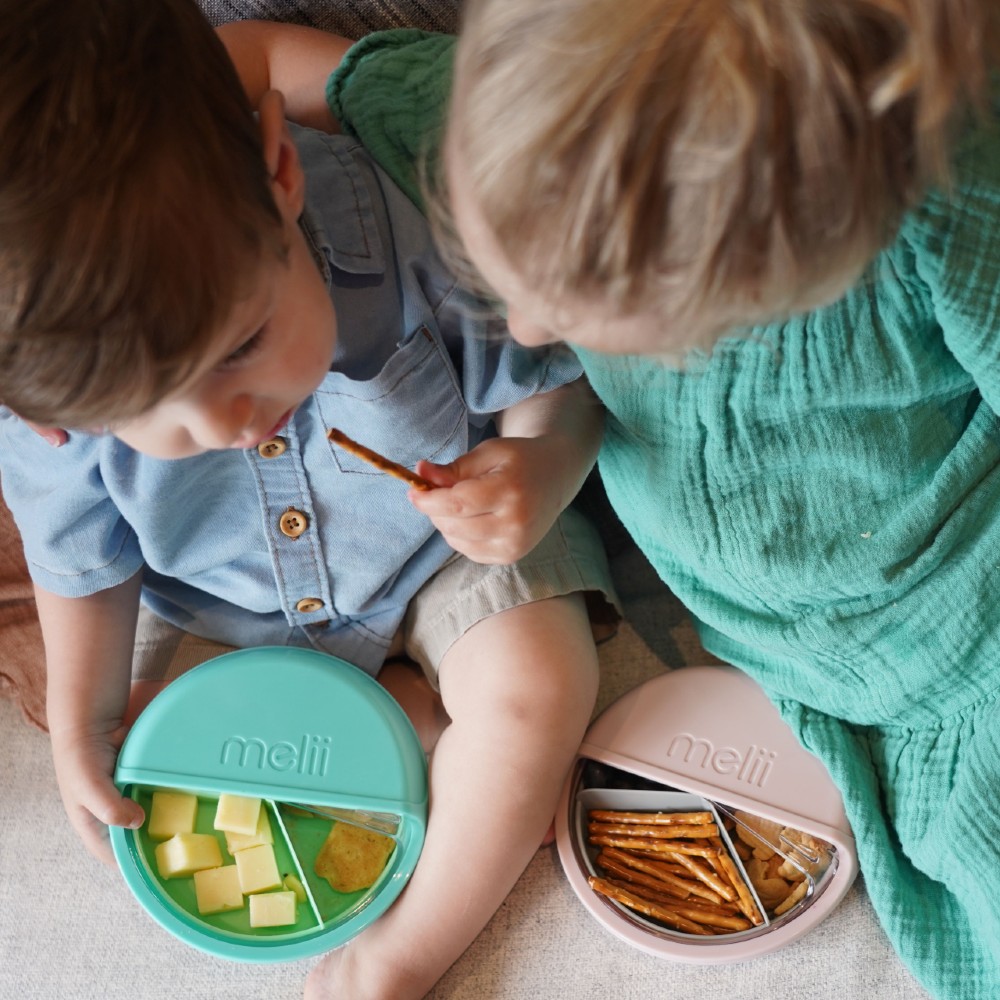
[
  {"x": 351, "y": 18},
  {"x": 822, "y": 495}
]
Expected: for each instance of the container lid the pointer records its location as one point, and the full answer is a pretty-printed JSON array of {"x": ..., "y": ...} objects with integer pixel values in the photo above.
[
  {"x": 713, "y": 730},
  {"x": 284, "y": 723}
]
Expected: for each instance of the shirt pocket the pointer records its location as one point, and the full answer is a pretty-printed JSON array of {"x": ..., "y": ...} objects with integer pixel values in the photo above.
[{"x": 412, "y": 409}]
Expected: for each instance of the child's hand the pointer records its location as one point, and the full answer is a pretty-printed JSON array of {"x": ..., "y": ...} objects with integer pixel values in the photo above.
[
  {"x": 84, "y": 763},
  {"x": 496, "y": 503}
]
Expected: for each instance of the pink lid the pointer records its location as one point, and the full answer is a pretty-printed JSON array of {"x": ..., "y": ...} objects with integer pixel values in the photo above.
[{"x": 713, "y": 732}]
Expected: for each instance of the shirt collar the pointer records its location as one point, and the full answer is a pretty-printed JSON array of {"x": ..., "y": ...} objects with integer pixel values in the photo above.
[{"x": 339, "y": 218}]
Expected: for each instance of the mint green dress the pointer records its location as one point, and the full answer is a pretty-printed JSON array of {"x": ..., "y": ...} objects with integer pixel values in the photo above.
[{"x": 823, "y": 494}]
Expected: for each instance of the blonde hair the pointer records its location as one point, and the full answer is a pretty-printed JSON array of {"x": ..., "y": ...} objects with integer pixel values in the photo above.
[
  {"x": 719, "y": 162},
  {"x": 135, "y": 203}
]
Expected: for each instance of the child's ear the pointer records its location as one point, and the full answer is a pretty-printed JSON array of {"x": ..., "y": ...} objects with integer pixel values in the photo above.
[{"x": 281, "y": 157}]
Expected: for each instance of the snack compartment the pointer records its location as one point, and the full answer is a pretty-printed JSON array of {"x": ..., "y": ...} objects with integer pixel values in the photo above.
[
  {"x": 308, "y": 831},
  {"x": 759, "y": 847},
  {"x": 298, "y": 837},
  {"x": 808, "y": 864},
  {"x": 704, "y": 894}
]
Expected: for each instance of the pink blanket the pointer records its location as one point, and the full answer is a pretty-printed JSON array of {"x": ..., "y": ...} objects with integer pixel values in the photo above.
[{"x": 22, "y": 663}]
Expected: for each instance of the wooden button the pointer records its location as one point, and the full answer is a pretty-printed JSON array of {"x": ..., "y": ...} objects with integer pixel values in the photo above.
[
  {"x": 272, "y": 448},
  {"x": 308, "y": 604},
  {"x": 293, "y": 522}
]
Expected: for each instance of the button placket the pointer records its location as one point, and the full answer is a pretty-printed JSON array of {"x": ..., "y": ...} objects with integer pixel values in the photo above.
[{"x": 293, "y": 539}]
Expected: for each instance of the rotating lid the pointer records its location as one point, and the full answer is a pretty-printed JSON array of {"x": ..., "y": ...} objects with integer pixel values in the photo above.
[
  {"x": 282, "y": 723},
  {"x": 713, "y": 730}
]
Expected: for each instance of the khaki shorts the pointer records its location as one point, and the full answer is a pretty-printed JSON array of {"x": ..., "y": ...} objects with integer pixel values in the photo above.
[{"x": 570, "y": 559}]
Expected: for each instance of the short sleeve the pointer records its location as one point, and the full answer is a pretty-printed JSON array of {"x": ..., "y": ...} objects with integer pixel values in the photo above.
[
  {"x": 955, "y": 234},
  {"x": 75, "y": 540},
  {"x": 391, "y": 92},
  {"x": 497, "y": 372}
]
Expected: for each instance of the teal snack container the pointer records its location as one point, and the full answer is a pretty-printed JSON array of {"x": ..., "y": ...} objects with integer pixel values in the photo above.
[{"x": 318, "y": 741}]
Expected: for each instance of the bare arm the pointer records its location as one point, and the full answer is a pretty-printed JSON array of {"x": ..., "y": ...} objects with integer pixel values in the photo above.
[
  {"x": 88, "y": 655},
  {"x": 290, "y": 58},
  {"x": 571, "y": 421}
]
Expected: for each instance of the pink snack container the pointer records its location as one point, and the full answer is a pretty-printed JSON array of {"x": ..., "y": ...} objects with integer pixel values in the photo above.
[{"x": 708, "y": 739}]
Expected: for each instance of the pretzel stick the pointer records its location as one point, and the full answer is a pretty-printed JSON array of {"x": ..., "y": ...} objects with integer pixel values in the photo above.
[
  {"x": 374, "y": 458},
  {"x": 649, "y": 888},
  {"x": 615, "y": 868},
  {"x": 696, "y": 910},
  {"x": 718, "y": 919},
  {"x": 650, "y": 819},
  {"x": 651, "y": 846},
  {"x": 713, "y": 919},
  {"x": 634, "y": 902},
  {"x": 659, "y": 870},
  {"x": 659, "y": 832},
  {"x": 746, "y": 902},
  {"x": 706, "y": 875}
]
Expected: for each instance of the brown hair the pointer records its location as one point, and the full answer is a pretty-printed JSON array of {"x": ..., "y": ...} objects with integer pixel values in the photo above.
[
  {"x": 719, "y": 162},
  {"x": 134, "y": 203}
]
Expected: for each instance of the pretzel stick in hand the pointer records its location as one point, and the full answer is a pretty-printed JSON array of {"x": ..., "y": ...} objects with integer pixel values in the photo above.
[{"x": 381, "y": 463}]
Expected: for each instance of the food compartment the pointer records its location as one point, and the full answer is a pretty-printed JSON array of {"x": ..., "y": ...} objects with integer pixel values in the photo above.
[
  {"x": 735, "y": 877},
  {"x": 367, "y": 855},
  {"x": 258, "y": 882}
]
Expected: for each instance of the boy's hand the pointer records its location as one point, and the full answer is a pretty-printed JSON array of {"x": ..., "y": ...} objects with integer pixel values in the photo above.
[
  {"x": 496, "y": 503},
  {"x": 84, "y": 763}
]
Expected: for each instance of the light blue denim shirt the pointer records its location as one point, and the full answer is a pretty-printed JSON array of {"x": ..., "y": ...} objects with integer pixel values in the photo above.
[{"x": 419, "y": 372}]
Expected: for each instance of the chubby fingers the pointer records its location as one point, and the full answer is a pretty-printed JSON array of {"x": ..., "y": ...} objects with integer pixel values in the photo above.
[{"x": 460, "y": 491}]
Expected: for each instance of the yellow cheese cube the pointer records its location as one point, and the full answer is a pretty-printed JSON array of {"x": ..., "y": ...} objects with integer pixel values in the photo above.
[
  {"x": 293, "y": 883},
  {"x": 240, "y": 841},
  {"x": 237, "y": 814},
  {"x": 272, "y": 909},
  {"x": 170, "y": 813},
  {"x": 217, "y": 890},
  {"x": 258, "y": 869},
  {"x": 186, "y": 853}
]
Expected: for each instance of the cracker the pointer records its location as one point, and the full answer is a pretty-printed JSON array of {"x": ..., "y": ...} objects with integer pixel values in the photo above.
[{"x": 352, "y": 858}]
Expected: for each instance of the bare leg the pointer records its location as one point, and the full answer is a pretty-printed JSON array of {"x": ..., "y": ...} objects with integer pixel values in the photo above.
[
  {"x": 519, "y": 688},
  {"x": 406, "y": 682}
]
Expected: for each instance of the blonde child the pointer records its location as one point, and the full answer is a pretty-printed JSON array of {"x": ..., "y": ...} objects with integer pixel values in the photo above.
[
  {"x": 771, "y": 230},
  {"x": 197, "y": 294}
]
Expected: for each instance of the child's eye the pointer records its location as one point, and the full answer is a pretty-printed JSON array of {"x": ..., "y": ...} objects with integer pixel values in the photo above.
[{"x": 244, "y": 351}]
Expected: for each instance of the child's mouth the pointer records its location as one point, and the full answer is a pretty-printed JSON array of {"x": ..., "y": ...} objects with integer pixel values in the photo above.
[{"x": 277, "y": 428}]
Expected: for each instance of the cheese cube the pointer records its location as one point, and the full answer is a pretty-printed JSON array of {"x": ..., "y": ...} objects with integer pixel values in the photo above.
[
  {"x": 217, "y": 890},
  {"x": 258, "y": 869},
  {"x": 293, "y": 883},
  {"x": 272, "y": 909},
  {"x": 186, "y": 853},
  {"x": 171, "y": 812},
  {"x": 237, "y": 814},
  {"x": 240, "y": 841}
]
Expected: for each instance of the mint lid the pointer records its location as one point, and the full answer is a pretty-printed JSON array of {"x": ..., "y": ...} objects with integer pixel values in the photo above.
[{"x": 285, "y": 723}]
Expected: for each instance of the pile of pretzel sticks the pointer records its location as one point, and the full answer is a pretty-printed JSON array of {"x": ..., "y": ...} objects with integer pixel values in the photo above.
[{"x": 673, "y": 868}]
